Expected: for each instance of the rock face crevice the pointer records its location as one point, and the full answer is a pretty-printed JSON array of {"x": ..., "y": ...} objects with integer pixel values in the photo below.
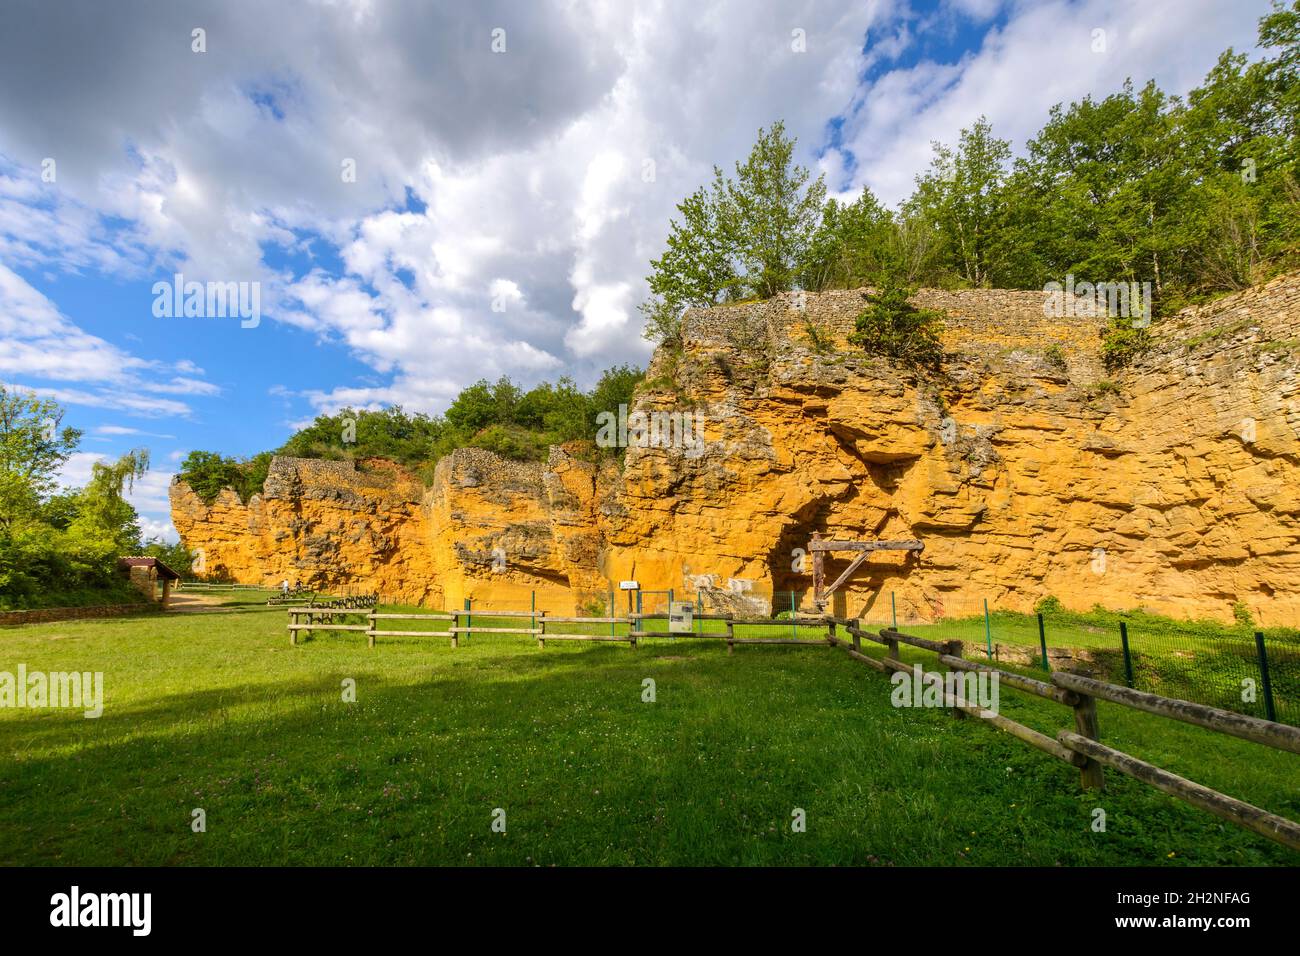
[{"x": 1027, "y": 472}]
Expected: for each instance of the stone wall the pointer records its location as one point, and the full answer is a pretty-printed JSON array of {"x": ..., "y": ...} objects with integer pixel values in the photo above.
[
  {"x": 975, "y": 320},
  {"x": 46, "y": 614}
]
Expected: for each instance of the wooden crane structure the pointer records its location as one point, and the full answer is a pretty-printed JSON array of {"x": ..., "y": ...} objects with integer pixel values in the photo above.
[{"x": 818, "y": 547}]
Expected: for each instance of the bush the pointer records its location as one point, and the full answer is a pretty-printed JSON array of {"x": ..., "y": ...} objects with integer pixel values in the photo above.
[
  {"x": 1122, "y": 342},
  {"x": 1049, "y": 606},
  {"x": 891, "y": 326}
]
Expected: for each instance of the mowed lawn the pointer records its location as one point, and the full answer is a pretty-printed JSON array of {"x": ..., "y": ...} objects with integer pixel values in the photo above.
[{"x": 219, "y": 712}]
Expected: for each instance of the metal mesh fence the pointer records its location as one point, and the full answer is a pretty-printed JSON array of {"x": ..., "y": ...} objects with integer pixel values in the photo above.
[
  {"x": 1233, "y": 668},
  {"x": 1227, "y": 671}
]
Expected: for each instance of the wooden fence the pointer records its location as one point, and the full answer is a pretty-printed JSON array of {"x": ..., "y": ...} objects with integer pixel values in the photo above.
[
  {"x": 308, "y": 619},
  {"x": 212, "y": 586},
  {"x": 1081, "y": 747}
]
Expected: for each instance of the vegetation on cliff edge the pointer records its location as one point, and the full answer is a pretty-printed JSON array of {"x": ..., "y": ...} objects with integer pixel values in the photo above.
[
  {"x": 500, "y": 417},
  {"x": 1198, "y": 196}
]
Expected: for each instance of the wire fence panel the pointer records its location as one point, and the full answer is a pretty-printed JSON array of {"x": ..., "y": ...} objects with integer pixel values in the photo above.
[
  {"x": 1283, "y": 660},
  {"x": 654, "y": 602},
  {"x": 1218, "y": 665},
  {"x": 1225, "y": 671}
]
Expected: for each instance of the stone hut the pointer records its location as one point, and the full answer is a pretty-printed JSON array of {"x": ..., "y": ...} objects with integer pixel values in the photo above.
[{"x": 147, "y": 573}]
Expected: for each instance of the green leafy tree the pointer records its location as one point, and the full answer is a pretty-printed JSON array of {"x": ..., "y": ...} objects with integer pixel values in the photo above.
[
  {"x": 351, "y": 434},
  {"x": 962, "y": 194},
  {"x": 616, "y": 386},
  {"x": 1279, "y": 32},
  {"x": 697, "y": 268},
  {"x": 1109, "y": 182},
  {"x": 771, "y": 214},
  {"x": 175, "y": 555},
  {"x": 33, "y": 447},
  {"x": 854, "y": 245},
  {"x": 753, "y": 234},
  {"x": 102, "y": 509},
  {"x": 207, "y": 473},
  {"x": 60, "y": 547}
]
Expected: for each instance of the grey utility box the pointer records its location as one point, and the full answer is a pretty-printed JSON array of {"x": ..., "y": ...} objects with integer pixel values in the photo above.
[{"x": 681, "y": 617}]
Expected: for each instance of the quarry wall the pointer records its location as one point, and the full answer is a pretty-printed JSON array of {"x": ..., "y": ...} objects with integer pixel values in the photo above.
[{"x": 1027, "y": 470}]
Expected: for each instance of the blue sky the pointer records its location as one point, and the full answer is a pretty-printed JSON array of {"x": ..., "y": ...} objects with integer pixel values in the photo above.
[{"x": 505, "y": 204}]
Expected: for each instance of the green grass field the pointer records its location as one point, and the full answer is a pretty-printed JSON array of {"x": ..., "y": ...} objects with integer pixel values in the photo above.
[{"x": 219, "y": 712}]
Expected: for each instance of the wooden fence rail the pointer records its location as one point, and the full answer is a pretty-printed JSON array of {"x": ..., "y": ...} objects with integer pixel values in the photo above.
[
  {"x": 307, "y": 619},
  {"x": 793, "y": 639}
]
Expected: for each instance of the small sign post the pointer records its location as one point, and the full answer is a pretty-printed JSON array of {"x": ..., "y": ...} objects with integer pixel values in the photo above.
[{"x": 629, "y": 587}]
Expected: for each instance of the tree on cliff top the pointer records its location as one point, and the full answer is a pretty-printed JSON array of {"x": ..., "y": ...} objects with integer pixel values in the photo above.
[
  {"x": 962, "y": 194},
  {"x": 498, "y": 416},
  {"x": 771, "y": 214},
  {"x": 750, "y": 235},
  {"x": 207, "y": 473}
]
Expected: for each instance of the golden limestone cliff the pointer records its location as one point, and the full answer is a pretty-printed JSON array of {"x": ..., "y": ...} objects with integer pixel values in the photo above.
[
  {"x": 1025, "y": 470},
  {"x": 487, "y": 528}
]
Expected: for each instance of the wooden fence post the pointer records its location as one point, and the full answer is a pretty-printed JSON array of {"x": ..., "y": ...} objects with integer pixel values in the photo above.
[
  {"x": 731, "y": 636},
  {"x": 541, "y": 636},
  {"x": 293, "y": 629},
  {"x": 954, "y": 649},
  {"x": 1085, "y": 724},
  {"x": 891, "y": 643},
  {"x": 455, "y": 623},
  {"x": 370, "y": 628}
]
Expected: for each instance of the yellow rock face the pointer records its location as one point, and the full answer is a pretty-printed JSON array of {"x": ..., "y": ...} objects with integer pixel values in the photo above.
[
  {"x": 322, "y": 524},
  {"x": 1025, "y": 472},
  {"x": 488, "y": 529}
]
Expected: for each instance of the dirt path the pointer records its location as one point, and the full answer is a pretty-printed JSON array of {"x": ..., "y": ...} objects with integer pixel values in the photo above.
[{"x": 191, "y": 601}]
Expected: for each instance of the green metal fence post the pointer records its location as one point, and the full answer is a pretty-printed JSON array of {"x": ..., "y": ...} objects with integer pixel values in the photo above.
[
  {"x": 638, "y": 600},
  {"x": 1264, "y": 679},
  {"x": 699, "y": 610},
  {"x": 794, "y": 628},
  {"x": 988, "y": 631},
  {"x": 533, "y": 608},
  {"x": 1042, "y": 643},
  {"x": 893, "y": 610},
  {"x": 469, "y": 618},
  {"x": 612, "y": 613},
  {"x": 1128, "y": 657}
]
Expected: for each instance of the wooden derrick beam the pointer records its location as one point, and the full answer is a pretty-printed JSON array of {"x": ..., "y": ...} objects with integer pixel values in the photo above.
[{"x": 817, "y": 544}]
